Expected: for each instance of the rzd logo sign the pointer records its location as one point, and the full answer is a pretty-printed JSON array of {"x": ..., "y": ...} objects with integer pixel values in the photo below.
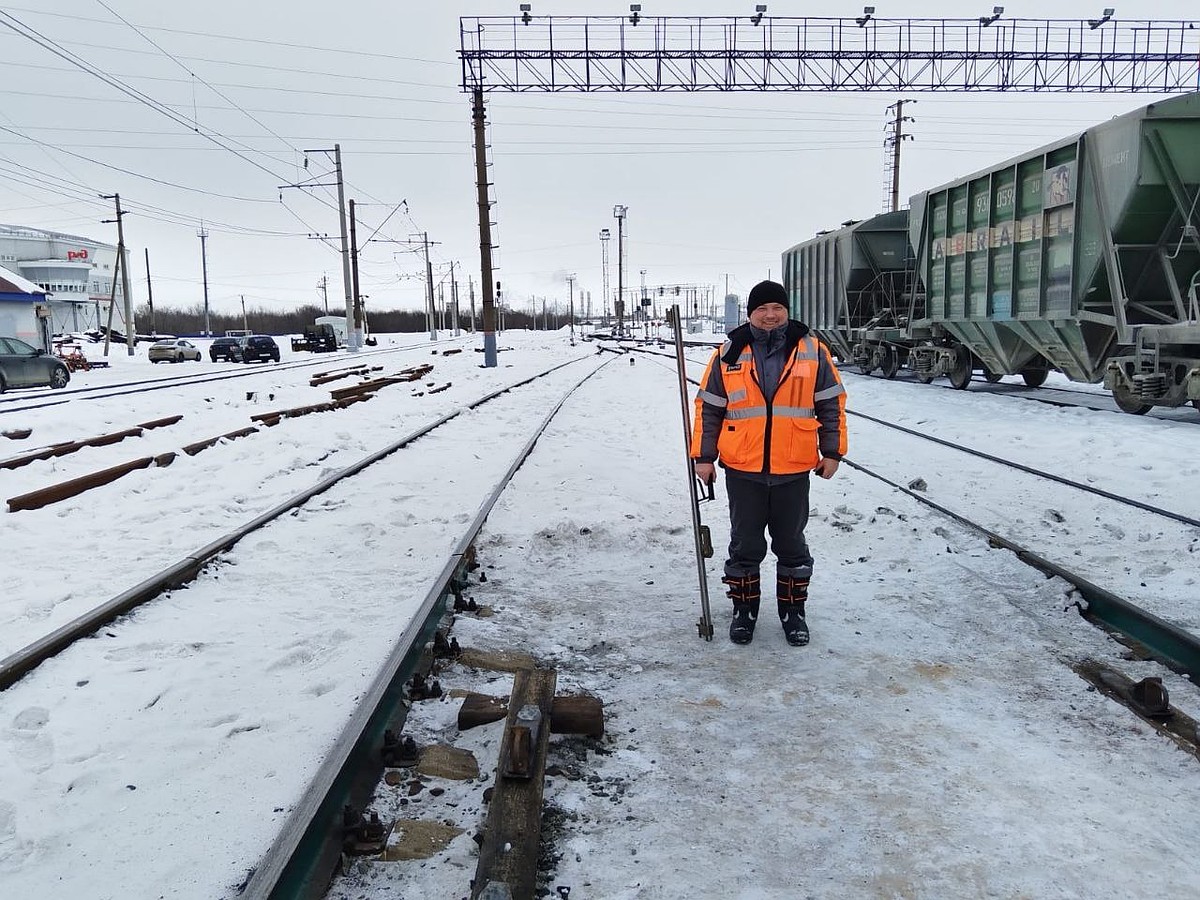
[{"x": 73, "y": 255}]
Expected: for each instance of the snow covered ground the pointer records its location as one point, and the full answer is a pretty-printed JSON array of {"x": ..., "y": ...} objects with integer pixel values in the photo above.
[{"x": 931, "y": 742}]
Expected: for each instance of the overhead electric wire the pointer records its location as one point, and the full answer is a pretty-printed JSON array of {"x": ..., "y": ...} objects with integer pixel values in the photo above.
[
  {"x": 230, "y": 37},
  {"x": 48, "y": 44},
  {"x": 130, "y": 172},
  {"x": 194, "y": 76}
]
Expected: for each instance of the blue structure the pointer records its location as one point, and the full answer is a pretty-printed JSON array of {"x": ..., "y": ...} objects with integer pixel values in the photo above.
[{"x": 24, "y": 312}]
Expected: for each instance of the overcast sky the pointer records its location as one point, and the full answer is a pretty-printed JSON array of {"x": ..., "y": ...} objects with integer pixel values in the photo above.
[{"x": 716, "y": 184}]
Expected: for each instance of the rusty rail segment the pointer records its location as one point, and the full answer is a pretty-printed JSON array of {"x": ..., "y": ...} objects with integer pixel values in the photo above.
[{"x": 103, "y": 440}]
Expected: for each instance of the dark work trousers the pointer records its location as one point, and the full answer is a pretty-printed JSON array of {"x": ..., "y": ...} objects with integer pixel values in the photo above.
[{"x": 755, "y": 507}]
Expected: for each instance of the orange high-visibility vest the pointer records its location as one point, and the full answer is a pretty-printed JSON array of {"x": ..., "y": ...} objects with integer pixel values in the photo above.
[{"x": 753, "y": 432}]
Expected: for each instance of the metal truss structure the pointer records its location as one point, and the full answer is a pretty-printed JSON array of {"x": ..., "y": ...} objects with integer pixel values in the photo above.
[{"x": 756, "y": 53}]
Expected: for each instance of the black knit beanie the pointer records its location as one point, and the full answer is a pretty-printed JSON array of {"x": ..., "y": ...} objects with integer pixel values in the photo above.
[{"x": 766, "y": 292}]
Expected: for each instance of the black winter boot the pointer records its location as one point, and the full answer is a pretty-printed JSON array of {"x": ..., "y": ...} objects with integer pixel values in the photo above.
[
  {"x": 792, "y": 593},
  {"x": 744, "y": 591}
]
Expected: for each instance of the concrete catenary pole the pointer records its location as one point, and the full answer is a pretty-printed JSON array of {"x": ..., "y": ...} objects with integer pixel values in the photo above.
[
  {"x": 347, "y": 278},
  {"x": 123, "y": 264},
  {"x": 571, "y": 307},
  {"x": 471, "y": 292},
  {"x": 354, "y": 334},
  {"x": 150, "y": 295},
  {"x": 896, "y": 138},
  {"x": 429, "y": 313},
  {"x": 203, "y": 235}
]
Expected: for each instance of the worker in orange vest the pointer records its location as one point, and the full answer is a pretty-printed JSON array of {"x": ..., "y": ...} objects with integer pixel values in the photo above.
[{"x": 771, "y": 409}]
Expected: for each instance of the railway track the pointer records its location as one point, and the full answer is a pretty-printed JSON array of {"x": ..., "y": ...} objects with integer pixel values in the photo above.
[
  {"x": 226, "y": 790},
  {"x": 15, "y": 403},
  {"x": 1162, "y": 625},
  {"x": 1052, "y": 395},
  {"x": 301, "y": 618},
  {"x": 24, "y": 660}
]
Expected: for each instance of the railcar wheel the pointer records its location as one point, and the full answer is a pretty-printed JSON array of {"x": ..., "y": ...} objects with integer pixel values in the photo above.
[
  {"x": 991, "y": 377},
  {"x": 1035, "y": 376},
  {"x": 891, "y": 362},
  {"x": 1128, "y": 403},
  {"x": 960, "y": 373}
]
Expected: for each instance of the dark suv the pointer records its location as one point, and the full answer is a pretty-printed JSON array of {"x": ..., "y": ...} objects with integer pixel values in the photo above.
[
  {"x": 259, "y": 347},
  {"x": 225, "y": 348}
]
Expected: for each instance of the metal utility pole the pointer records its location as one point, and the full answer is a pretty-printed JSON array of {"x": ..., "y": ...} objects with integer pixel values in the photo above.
[
  {"x": 203, "y": 235},
  {"x": 571, "y": 308},
  {"x": 605, "y": 236},
  {"x": 323, "y": 284},
  {"x": 123, "y": 262},
  {"x": 354, "y": 333},
  {"x": 485, "y": 229},
  {"x": 895, "y": 138},
  {"x": 150, "y": 295},
  {"x": 429, "y": 317},
  {"x": 620, "y": 212},
  {"x": 245, "y": 320},
  {"x": 642, "y": 300}
]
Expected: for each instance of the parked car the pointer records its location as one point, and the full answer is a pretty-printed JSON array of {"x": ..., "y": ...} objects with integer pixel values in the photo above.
[
  {"x": 176, "y": 350},
  {"x": 259, "y": 347},
  {"x": 229, "y": 348},
  {"x": 22, "y": 365}
]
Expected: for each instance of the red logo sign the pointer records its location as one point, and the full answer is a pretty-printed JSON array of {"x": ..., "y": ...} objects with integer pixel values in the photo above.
[{"x": 73, "y": 255}]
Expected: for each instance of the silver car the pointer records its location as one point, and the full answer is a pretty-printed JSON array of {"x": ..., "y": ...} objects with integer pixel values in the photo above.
[
  {"x": 24, "y": 366},
  {"x": 175, "y": 350}
]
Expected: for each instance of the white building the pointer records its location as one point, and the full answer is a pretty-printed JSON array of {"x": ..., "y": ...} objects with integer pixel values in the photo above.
[{"x": 75, "y": 272}]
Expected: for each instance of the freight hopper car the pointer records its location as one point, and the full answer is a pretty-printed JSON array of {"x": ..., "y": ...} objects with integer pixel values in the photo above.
[
  {"x": 856, "y": 288},
  {"x": 1082, "y": 256}
]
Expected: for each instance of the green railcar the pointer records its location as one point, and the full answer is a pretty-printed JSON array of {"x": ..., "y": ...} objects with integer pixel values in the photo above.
[
  {"x": 1083, "y": 256},
  {"x": 855, "y": 288}
]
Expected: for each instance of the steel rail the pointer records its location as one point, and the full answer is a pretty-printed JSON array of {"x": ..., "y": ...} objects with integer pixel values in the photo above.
[
  {"x": 1170, "y": 644},
  {"x": 20, "y": 663},
  {"x": 1029, "y": 470},
  {"x": 292, "y": 867},
  {"x": 1030, "y": 394},
  {"x": 159, "y": 384}
]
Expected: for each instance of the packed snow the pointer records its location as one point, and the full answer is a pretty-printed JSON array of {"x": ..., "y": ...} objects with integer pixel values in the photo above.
[{"x": 932, "y": 741}]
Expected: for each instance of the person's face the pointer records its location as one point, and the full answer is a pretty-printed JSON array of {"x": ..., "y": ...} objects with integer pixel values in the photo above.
[{"x": 768, "y": 316}]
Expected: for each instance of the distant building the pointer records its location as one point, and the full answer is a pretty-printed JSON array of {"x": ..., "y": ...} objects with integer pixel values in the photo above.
[
  {"x": 24, "y": 312},
  {"x": 76, "y": 273}
]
